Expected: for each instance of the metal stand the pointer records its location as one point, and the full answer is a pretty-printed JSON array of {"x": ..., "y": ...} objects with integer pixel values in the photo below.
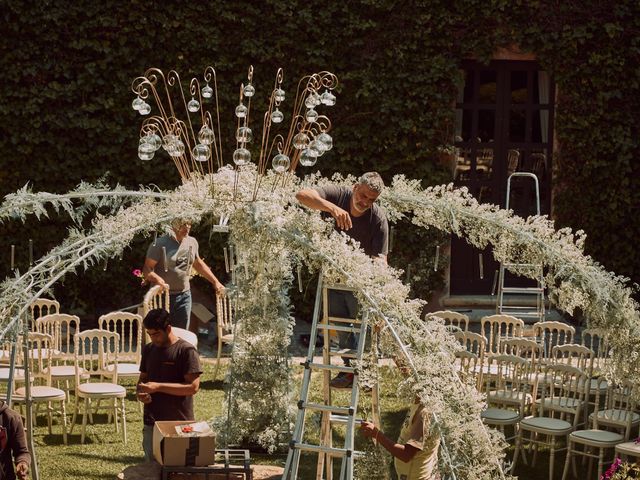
[
  {"x": 536, "y": 269},
  {"x": 331, "y": 414},
  {"x": 233, "y": 463}
]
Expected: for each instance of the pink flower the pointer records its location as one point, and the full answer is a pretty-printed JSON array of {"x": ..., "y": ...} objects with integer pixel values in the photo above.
[
  {"x": 612, "y": 469},
  {"x": 137, "y": 272},
  {"x": 637, "y": 441}
]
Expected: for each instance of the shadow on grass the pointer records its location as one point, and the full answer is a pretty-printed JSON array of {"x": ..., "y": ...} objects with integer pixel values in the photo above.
[{"x": 212, "y": 385}]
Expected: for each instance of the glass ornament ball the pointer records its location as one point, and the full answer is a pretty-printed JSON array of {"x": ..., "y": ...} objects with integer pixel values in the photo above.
[
  {"x": 278, "y": 95},
  {"x": 178, "y": 149},
  {"x": 145, "y": 109},
  {"x": 207, "y": 91},
  {"x": 328, "y": 98},
  {"x": 201, "y": 153},
  {"x": 146, "y": 150},
  {"x": 312, "y": 100},
  {"x": 248, "y": 90},
  {"x": 244, "y": 135},
  {"x": 315, "y": 149},
  {"x": 311, "y": 115},
  {"x": 241, "y": 156},
  {"x": 277, "y": 116},
  {"x": 241, "y": 111},
  {"x": 137, "y": 103},
  {"x": 206, "y": 135},
  {"x": 153, "y": 139},
  {"x": 326, "y": 141},
  {"x": 280, "y": 163},
  {"x": 301, "y": 140},
  {"x": 193, "y": 105},
  {"x": 307, "y": 160}
]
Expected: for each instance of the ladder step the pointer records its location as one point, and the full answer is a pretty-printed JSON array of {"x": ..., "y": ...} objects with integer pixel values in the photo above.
[
  {"x": 534, "y": 290},
  {"x": 345, "y": 419},
  {"x": 336, "y": 452},
  {"x": 320, "y": 407},
  {"x": 334, "y": 368},
  {"x": 337, "y": 328},
  {"x": 355, "y": 321}
]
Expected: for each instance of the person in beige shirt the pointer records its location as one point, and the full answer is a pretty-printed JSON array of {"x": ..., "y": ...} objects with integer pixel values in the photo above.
[{"x": 416, "y": 451}]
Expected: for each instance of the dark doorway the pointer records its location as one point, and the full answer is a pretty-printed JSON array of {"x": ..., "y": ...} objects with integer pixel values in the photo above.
[{"x": 504, "y": 118}]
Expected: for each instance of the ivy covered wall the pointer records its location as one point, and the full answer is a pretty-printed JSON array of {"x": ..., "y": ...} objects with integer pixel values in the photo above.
[{"x": 65, "y": 102}]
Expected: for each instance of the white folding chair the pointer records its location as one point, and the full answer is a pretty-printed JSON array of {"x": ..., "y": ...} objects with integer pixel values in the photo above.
[
  {"x": 224, "y": 319},
  {"x": 453, "y": 319}
]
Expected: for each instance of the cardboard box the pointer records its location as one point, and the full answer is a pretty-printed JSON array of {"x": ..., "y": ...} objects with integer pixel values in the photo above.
[{"x": 178, "y": 449}]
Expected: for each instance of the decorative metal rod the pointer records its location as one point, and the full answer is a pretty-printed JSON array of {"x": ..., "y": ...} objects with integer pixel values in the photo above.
[
  {"x": 299, "y": 278},
  {"x": 13, "y": 257},
  {"x": 164, "y": 258},
  {"x": 30, "y": 252},
  {"x": 435, "y": 260},
  {"x": 481, "y": 266},
  {"x": 495, "y": 283},
  {"x": 226, "y": 260}
]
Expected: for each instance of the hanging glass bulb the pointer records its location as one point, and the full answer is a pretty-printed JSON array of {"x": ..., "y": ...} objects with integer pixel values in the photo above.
[
  {"x": 278, "y": 95},
  {"x": 248, "y": 90},
  {"x": 277, "y": 116},
  {"x": 280, "y": 163},
  {"x": 312, "y": 100},
  {"x": 311, "y": 115},
  {"x": 301, "y": 140},
  {"x": 201, "y": 153},
  {"x": 146, "y": 150},
  {"x": 207, "y": 91},
  {"x": 241, "y": 156},
  {"x": 178, "y": 149},
  {"x": 244, "y": 135},
  {"x": 307, "y": 160},
  {"x": 325, "y": 140},
  {"x": 206, "y": 135},
  {"x": 137, "y": 103},
  {"x": 315, "y": 149},
  {"x": 153, "y": 139},
  {"x": 193, "y": 105},
  {"x": 241, "y": 111},
  {"x": 328, "y": 98},
  {"x": 144, "y": 109}
]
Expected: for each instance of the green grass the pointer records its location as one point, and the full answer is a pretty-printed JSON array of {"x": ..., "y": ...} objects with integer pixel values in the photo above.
[{"x": 104, "y": 455}]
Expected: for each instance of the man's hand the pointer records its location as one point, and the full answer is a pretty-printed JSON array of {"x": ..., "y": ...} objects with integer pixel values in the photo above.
[
  {"x": 219, "y": 288},
  {"x": 149, "y": 387},
  {"x": 343, "y": 219},
  {"x": 368, "y": 429},
  {"x": 164, "y": 286},
  {"x": 22, "y": 471}
]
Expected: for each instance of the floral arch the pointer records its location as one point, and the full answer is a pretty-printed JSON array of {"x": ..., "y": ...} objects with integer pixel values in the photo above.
[{"x": 271, "y": 234}]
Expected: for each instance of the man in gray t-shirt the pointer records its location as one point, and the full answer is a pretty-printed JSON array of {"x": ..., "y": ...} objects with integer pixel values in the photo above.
[
  {"x": 168, "y": 263},
  {"x": 355, "y": 212}
]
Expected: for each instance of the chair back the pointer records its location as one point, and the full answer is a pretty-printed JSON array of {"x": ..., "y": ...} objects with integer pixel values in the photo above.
[
  {"x": 95, "y": 350},
  {"x": 513, "y": 161},
  {"x": 155, "y": 297},
  {"x": 454, "y": 319},
  {"x": 39, "y": 348},
  {"x": 596, "y": 340},
  {"x": 508, "y": 385},
  {"x": 472, "y": 354},
  {"x": 185, "y": 335},
  {"x": 575, "y": 355},
  {"x": 619, "y": 408},
  {"x": 563, "y": 392},
  {"x": 129, "y": 327},
  {"x": 224, "y": 314},
  {"x": 524, "y": 348},
  {"x": 41, "y": 307},
  {"x": 61, "y": 327},
  {"x": 549, "y": 334},
  {"x": 497, "y": 328},
  {"x": 5, "y": 351}
]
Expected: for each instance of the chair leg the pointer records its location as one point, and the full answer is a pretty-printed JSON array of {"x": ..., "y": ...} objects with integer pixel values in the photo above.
[
  {"x": 600, "y": 461},
  {"x": 124, "y": 422},
  {"x": 115, "y": 414},
  {"x": 63, "y": 409},
  {"x": 517, "y": 450},
  {"x": 73, "y": 419},
  {"x": 49, "y": 415},
  {"x": 215, "y": 372},
  {"x": 552, "y": 456},
  {"x": 565, "y": 471},
  {"x": 86, "y": 410}
]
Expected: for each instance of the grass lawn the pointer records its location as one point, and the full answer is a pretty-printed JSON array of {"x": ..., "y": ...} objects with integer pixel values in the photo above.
[{"x": 104, "y": 455}]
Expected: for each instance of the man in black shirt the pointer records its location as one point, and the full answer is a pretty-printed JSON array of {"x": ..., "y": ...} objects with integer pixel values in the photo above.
[
  {"x": 169, "y": 376},
  {"x": 355, "y": 212}
]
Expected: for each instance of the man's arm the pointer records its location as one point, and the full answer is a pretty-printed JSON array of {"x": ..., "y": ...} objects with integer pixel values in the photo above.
[
  {"x": 189, "y": 387},
  {"x": 142, "y": 396},
  {"x": 20, "y": 450},
  {"x": 204, "y": 270},
  {"x": 312, "y": 199},
  {"x": 151, "y": 276},
  {"x": 403, "y": 453}
]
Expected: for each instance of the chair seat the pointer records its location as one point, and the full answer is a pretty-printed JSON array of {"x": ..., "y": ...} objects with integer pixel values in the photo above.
[
  {"x": 629, "y": 448},
  {"x": 499, "y": 416},
  {"x": 100, "y": 389},
  {"x": 41, "y": 393},
  {"x": 126, "y": 369},
  {"x": 546, "y": 425},
  {"x": 18, "y": 374},
  {"x": 596, "y": 438},
  {"x": 616, "y": 417}
]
